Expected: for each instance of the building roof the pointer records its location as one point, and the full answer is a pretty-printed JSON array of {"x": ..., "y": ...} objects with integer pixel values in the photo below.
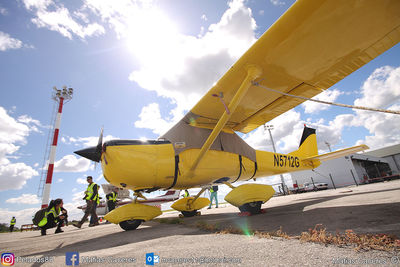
[
  {"x": 368, "y": 157},
  {"x": 384, "y": 152}
]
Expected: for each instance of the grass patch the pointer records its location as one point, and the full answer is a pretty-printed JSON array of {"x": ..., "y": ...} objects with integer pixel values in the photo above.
[{"x": 361, "y": 242}]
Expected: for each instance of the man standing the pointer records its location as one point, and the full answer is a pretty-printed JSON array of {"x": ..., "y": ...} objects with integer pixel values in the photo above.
[
  {"x": 112, "y": 199},
  {"x": 12, "y": 223},
  {"x": 213, "y": 195},
  {"x": 92, "y": 200}
]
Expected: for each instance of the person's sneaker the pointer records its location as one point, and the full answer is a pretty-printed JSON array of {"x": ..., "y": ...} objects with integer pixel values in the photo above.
[
  {"x": 216, "y": 207},
  {"x": 59, "y": 231},
  {"x": 91, "y": 225},
  {"x": 43, "y": 232},
  {"x": 209, "y": 208},
  {"x": 77, "y": 225}
]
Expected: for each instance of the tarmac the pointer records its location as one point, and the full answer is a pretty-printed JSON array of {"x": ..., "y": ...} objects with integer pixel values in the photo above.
[{"x": 373, "y": 208}]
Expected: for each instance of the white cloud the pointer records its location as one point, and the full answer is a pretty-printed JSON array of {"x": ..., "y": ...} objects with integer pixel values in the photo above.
[
  {"x": 86, "y": 141},
  {"x": 56, "y": 17},
  {"x": 24, "y": 199},
  {"x": 277, "y": 2},
  {"x": 286, "y": 134},
  {"x": 380, "y": 90},
  {"x": 204, "y": 17},
  {"x": 31, "y": 123},
  {"x": 150, "y": 118},
  {"x": 7, "y": 42},
  {"x": 3, "y": 11},
  {"x": 327, "y": 95},
  {"x": 81, "y": 181},
  {"x": 13, "y": 132},
  {"x": 15, "y": 175},
  {"x": 186, "y": 67},
  {"x": 70, "y": 163}
]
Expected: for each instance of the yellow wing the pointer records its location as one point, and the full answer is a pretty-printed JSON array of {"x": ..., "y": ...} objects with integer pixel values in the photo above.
[{"x": 311, "y": 47}]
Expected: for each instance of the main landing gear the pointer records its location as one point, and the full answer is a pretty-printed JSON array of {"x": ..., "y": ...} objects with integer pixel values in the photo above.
[
  {"x": 249, "y": 197},
  {"x": 189, "y": 213},
  {"x": 130, "y": 216},
  {"x": 189, "y": 206},
  {"x": 251, "y": 208},
  {"x": 130, "y": 224}
]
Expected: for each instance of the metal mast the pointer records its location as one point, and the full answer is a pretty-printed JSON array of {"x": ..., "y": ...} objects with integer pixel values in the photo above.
[
  {"x": 59, "y": 96},
  {"x": 269, "y": 128}
]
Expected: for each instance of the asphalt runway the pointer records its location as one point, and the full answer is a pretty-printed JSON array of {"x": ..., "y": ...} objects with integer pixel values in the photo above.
[{"x": 371, "y": 208}]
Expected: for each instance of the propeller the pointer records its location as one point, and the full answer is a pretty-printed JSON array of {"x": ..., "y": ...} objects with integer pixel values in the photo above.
[{"x": 93, "y": 153}]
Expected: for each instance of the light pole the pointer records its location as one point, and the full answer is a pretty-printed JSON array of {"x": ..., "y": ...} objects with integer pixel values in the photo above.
[
  {"x": 328, "y": 145},
  {"x": 269, "y": 128},
  {"x": 58, "y": 96}
]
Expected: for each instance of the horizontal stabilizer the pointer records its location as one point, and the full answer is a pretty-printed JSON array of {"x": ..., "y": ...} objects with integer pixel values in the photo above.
[{"x": 339, "y": 153}]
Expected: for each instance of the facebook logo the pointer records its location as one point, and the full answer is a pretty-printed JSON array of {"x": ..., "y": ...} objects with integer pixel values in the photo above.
[
  {"x": 72, "y": 258},
  {"x": 151, "y": 259}
]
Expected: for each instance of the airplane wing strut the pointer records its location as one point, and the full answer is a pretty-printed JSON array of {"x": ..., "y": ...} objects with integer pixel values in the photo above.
[{"x": 253, "y": 72}]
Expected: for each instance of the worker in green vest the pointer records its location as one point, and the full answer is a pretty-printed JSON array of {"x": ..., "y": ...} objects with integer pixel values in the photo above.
[
  {"x": 213, "y": 195},
  {"x": 54, "y": 216},
  {"x": 92, "y": 200},
  {"x": 12, "y": 223},
  {"x": 186, "y": 193},
  {"x": 112, "y": 199}
]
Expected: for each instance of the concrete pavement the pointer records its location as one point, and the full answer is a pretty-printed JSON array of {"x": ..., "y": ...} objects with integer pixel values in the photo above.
[{"x": 371, "y": 208}]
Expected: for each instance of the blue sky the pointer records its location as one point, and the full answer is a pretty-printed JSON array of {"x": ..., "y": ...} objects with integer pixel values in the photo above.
[{"x": 136, "y": 67}]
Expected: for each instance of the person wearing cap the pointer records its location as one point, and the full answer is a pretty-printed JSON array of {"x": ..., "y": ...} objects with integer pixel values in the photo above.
[{"x": 92, "y": 200}]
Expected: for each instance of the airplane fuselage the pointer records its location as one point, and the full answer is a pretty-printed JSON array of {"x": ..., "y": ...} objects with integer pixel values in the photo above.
[{"x": 155, "y": 165}]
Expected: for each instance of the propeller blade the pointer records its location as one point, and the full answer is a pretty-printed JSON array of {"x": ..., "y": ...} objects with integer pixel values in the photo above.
[{"x": 99, "y": 146}]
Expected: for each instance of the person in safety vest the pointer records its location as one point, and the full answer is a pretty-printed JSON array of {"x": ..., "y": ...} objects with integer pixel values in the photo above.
[
  {"x": 112, "y": 199},
  {"x": 92, "y": 200},
  {"x": 186, "y": 193},
  {"x": 54, "y": 216},
  {"x": 213, "y": 195},
  {"x": 12, "y": 223}
]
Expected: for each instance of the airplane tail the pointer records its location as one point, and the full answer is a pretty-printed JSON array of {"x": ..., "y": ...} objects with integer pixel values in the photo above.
[
  {"x": 308, "y": 144},
  {"x": 308, "y": 149}
]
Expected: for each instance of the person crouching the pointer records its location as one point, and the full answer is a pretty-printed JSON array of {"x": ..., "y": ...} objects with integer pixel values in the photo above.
[{"x": 52, "y": 217}]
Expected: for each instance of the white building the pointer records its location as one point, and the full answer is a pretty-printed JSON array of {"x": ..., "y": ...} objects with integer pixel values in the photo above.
[{"x": 354, "y": 169}]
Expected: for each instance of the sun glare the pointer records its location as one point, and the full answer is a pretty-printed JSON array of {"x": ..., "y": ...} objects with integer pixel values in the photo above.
[{"x": 151, "y": 34}]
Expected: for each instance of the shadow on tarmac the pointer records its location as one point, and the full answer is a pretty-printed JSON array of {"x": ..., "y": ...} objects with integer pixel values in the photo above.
[{"x": 292, "y": 218}]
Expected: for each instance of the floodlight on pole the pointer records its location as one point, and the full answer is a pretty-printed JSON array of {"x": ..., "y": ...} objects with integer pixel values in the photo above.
[
  {"x": 269, "y": 128},
  {"x": 60, "y": 96}
]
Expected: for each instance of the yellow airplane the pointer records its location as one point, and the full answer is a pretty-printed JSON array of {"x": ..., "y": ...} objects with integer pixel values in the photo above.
[{"x": 311, "y": 47}]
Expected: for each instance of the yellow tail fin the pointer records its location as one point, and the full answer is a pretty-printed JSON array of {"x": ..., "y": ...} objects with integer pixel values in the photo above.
[
  {"x": 308, "y": 144},
  {"x": 308, "y": 150}
]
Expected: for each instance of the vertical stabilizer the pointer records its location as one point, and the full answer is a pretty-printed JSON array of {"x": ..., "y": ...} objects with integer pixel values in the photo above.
[{"x": 308, "y": 144}]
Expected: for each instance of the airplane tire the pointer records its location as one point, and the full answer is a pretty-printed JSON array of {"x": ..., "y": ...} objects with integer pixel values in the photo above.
[
  {"x": 130, "y": 224},
  {"x": 189, "y": 213},
  {"x": 252, "y": 207}
]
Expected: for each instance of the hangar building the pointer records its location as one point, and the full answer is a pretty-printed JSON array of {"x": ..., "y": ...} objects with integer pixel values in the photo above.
[{"x": 354, "y": 169}]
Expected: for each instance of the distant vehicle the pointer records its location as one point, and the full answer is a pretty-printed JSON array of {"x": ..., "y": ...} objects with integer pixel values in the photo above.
[{"x": 314, "y": 186}]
